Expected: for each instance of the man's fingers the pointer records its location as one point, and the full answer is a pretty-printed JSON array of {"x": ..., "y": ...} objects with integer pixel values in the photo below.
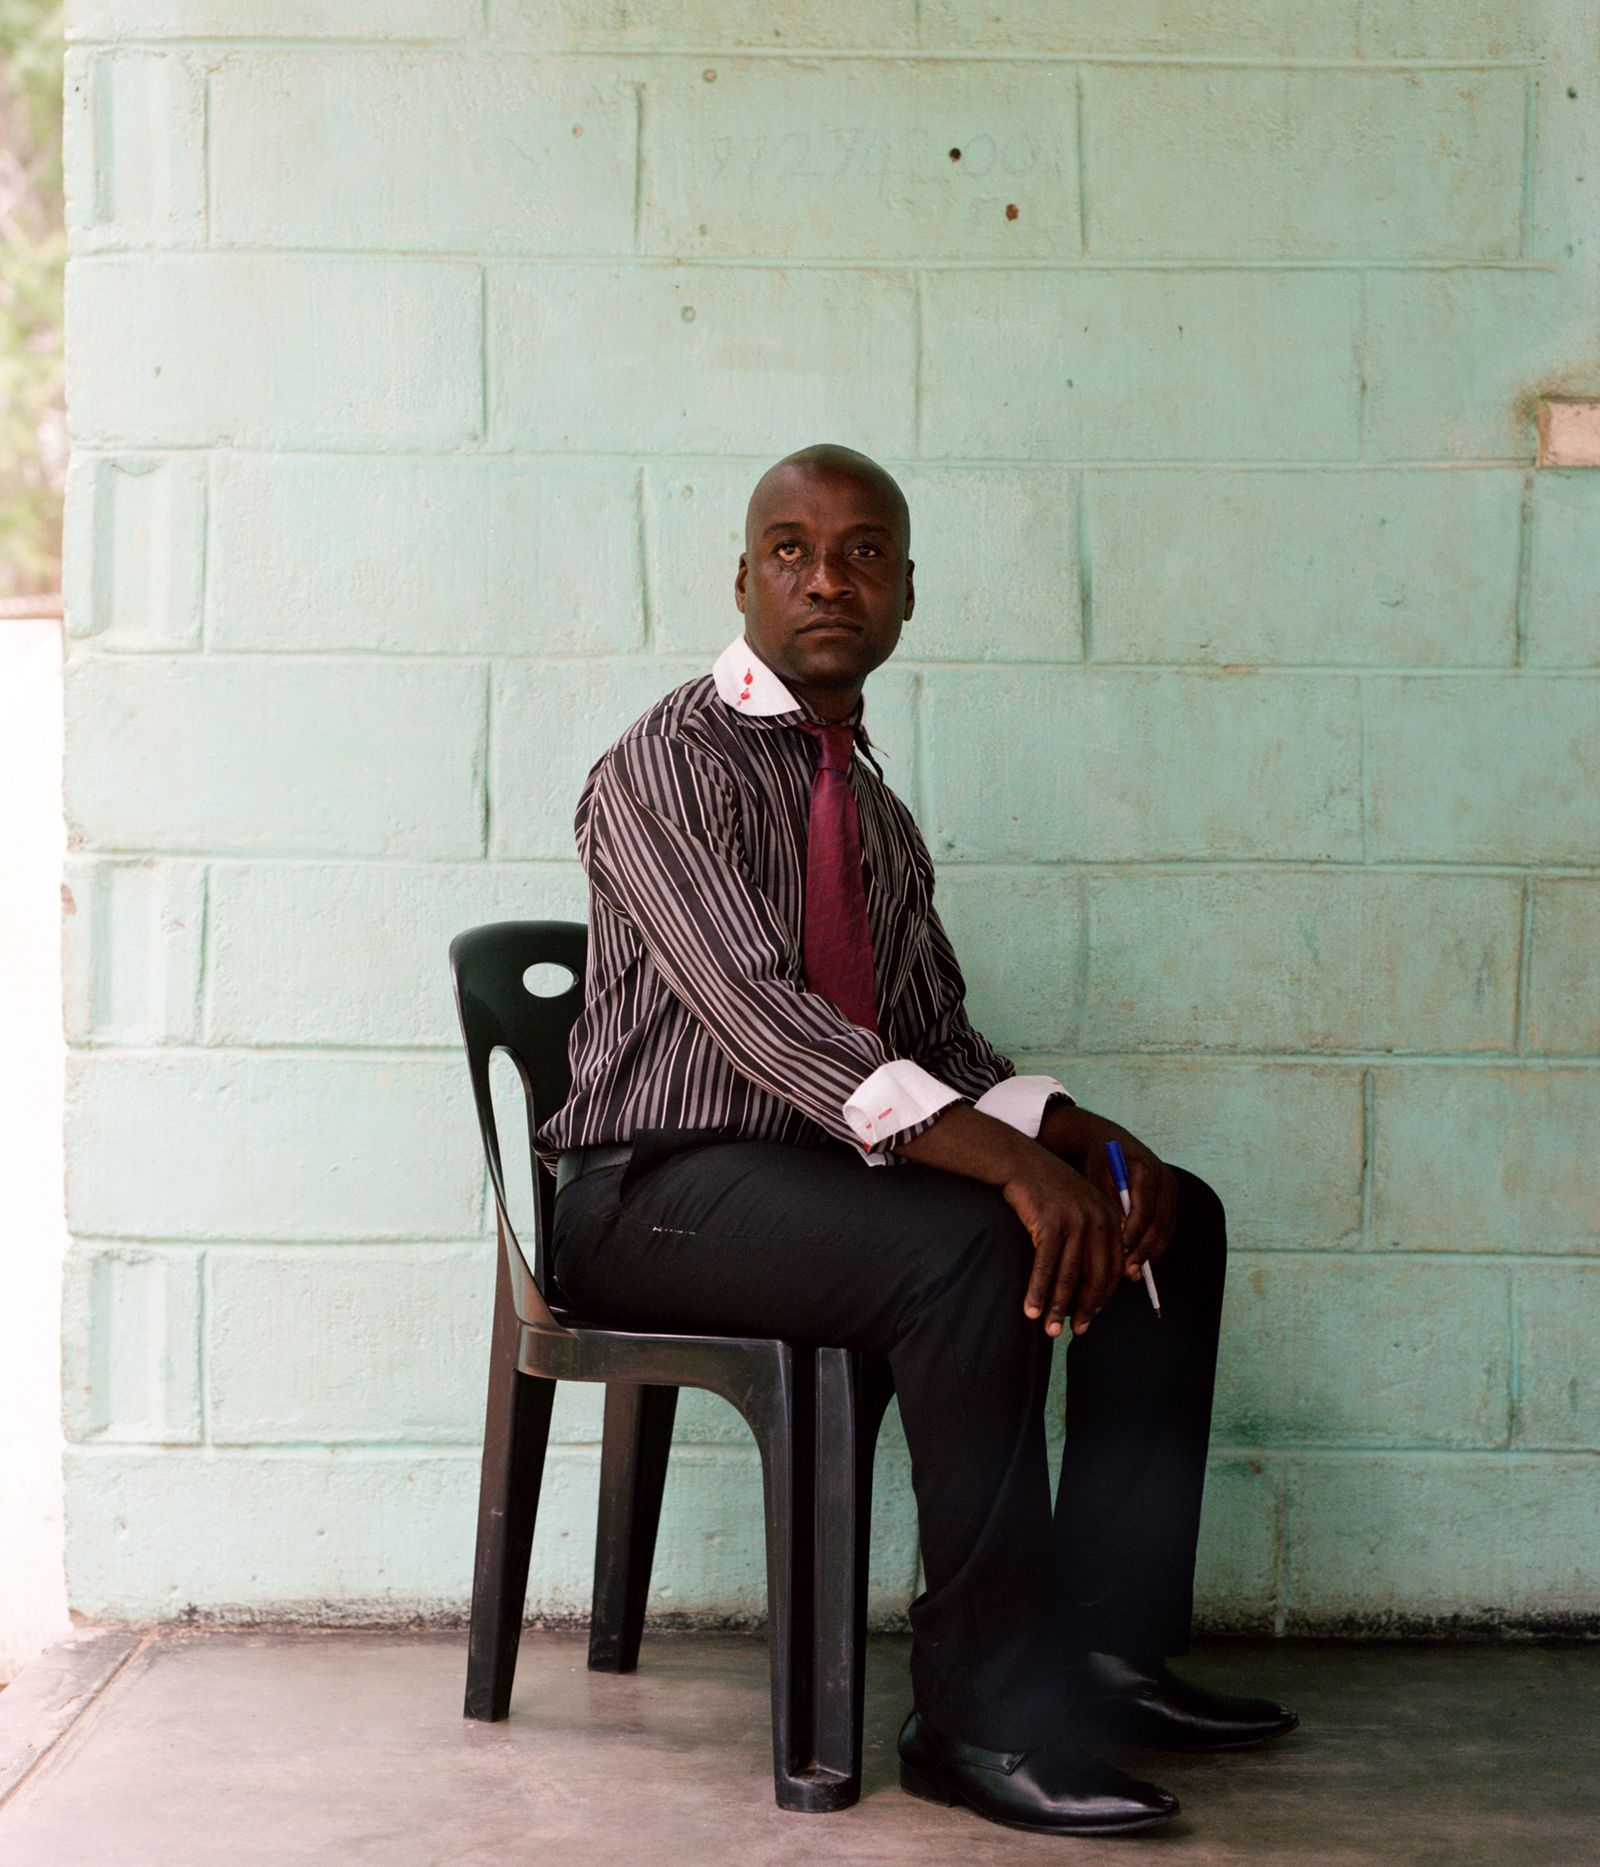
[
  {"x": 1046, "y": 1254},
  {"x": 1068, "y": 1280},
  {"x": 1102, "y": 1255}
]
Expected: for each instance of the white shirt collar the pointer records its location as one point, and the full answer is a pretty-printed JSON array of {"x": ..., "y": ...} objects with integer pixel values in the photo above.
[{"x": 748, "y": 685}]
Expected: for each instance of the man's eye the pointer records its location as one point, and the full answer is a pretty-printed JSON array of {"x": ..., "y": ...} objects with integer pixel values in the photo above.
[
  {"x": 870, "y": 551},
  {"x": 788, "y": 544}
]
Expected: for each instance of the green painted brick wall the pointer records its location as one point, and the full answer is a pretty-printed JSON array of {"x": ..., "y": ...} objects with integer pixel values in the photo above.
[{"x": 422, "y": 354}]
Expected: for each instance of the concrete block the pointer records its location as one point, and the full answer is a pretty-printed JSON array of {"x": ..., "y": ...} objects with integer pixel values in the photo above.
[
  {"x": 1487, "y": 770},
  {"x": 1380, "y": 1544},
  {"x": 338, "y": 1344},
  {"x": 1348, "y": 1350},
  {"x": 1235, "y": 1572},
  {"x": 1018, "y": 934},
  {"x": 715, "y": 360},
  {"x": 1364, "y": 164},
  {"x": 260, "y": 1147},
  {"x": 623, "y": 25},
  {"x": 1257, "y": 28},
  {"x": 865, "y": 161},
  {"x": 1564, "y": 572},
  {"x": 995, "y": 551},
  {"x": 289, "y": 19},
  {"x": 1140, "y": 365},
  {"x": 1558, "y": 1391},
  {"x": 366, "y": 554},
  {"x": 552, "y": 721},
  {"x": 252, "y": 349},
  {"x": 131, "y": 1345},
  {"x": 282, "y": 935},
  {"x": 134, "y": 150},
  {"x": 996, "y": 554},
  {"x": 1563, "y": 1008},
  {"x": 306, "y": 1535},
  {"x": 1341, "y": 960},
  {"x": 1345, "y": 569},
  {"x": 425, "y": 151},
  {"x": 1457, "y": 360},
  {"x": 132, "y": 935},
  {"x": 1280, "y": 1142},
  {"x": 135, "y": 557},
  {"x": 1487, "y": 1159},
  {"x": 245, "y": 755},
  {"x": 1049, "y": 766}
]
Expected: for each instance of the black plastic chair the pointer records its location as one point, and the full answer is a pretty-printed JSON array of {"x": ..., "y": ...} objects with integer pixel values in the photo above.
[{"x": 815, "y": 1413}]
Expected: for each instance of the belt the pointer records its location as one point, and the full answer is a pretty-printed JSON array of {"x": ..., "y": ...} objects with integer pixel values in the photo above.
[{"x": 577, "y": 1161}]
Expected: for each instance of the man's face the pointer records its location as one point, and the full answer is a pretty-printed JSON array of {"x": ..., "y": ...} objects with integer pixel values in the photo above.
[{"x": 824, "y": 582}]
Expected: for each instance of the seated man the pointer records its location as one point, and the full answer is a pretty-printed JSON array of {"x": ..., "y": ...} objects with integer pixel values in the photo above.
[{"x": 773, "y": 1015}]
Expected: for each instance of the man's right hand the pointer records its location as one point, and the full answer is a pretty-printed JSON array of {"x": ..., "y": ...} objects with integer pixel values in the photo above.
[
  {"x": 1076, "y": 1231},
  {"x": 1077, "y": 1242}
]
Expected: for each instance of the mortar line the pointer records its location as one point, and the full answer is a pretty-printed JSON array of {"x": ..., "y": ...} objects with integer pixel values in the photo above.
[
  {"x": 693, "y": 457},
  {"x": 1513, "y": 1361},
  {"x": 1363, "y": 345},
  {"x": 485, "y": 417},
  {"x": 203, "y": 1344},
  {"x": 201, "y": 1006},
  {"x": 1364, "y": 768},
  {"x": 638, "y": 164},
  {"x": 1282, "y": 1585},
  {"x": 642, "y": 543},
  {"x": 445, "y": 1049},
  {"x": 1369, "y": 1124},
  {"x": 1083, "y": 164},
  {"x": 1085, "y": 574},
  {"x": 1519, "y": 652},
  {"x": 1525, "y": 211},
  {"x": 207, "y": 470},
  {"x": 485, "y": 828},
  {"x": 919, "y": 325},
  {"x": 207, "y": 181},
  {"x": 919, "y": 751},
  {"x": 464, "y": 45},
  {"x": 1524, "y": 967},
  {"x": 665, "y": 261},
  {"x": 1215, "y": 671}
]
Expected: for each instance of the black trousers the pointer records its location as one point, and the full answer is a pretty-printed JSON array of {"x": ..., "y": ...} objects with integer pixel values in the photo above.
[{"x": 930, "y": 1269}]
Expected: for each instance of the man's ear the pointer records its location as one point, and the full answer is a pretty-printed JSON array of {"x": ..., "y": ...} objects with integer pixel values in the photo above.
[
  {"x": 738, "y": 582},
  {"x": 911, "y": 595}
]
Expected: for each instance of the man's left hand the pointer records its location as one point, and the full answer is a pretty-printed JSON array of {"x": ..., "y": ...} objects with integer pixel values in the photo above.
[{"x": 1079, "y": 1136}]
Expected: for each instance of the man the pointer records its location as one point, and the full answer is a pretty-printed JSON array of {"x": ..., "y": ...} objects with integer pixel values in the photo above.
[{"x": 773, "y": 1016}]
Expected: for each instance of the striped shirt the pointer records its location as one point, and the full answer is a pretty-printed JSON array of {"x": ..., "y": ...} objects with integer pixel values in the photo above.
[{"x": 692, "y": 831}]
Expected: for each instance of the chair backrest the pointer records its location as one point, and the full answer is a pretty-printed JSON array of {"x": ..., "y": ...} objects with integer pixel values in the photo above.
[{"x": 499, "y": 1011}]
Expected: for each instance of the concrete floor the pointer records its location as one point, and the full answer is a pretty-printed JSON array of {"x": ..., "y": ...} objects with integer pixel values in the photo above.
[{"x": 343, "y": 1749}]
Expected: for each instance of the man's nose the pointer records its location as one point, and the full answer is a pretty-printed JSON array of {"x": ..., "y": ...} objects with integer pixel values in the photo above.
[{"x": 829, "y": 579}]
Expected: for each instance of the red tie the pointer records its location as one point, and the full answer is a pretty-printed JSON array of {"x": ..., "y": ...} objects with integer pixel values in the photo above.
[{"x": 838, "y": 941}]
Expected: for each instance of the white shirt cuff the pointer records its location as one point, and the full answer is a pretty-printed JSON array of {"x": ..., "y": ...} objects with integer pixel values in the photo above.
[
  {"x": 897, "y": 1095},
  {"x": 1019, "y": 1102}
]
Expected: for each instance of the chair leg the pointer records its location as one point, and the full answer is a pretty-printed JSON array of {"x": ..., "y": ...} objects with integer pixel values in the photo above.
[
  {"x": 633, "y": 1472},
  {"x": 516, "y": 1433},
  {"x": 851, "y": 1394}
]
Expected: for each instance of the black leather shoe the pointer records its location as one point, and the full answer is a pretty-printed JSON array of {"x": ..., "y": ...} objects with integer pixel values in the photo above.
[
  {"x": 1144, "y": 1702},
  {"x": 1056, "y": 1790}
]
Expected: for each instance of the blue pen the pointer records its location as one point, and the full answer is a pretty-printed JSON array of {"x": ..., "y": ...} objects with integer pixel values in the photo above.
[{"x": 1119, "y": 1173}]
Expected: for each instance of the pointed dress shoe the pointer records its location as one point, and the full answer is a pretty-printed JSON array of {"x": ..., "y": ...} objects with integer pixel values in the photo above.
[
  {"x": 1057, "y": 1789},
  {"x": 1144, "y": 1702}
]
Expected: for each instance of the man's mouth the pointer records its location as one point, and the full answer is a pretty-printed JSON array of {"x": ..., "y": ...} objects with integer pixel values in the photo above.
[{"x": 831, "y": 625}]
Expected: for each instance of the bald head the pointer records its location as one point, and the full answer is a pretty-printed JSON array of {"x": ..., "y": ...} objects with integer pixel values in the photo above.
[
  {"x": 827, "y": 460},
  {"x": 824, "y": 580}
]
